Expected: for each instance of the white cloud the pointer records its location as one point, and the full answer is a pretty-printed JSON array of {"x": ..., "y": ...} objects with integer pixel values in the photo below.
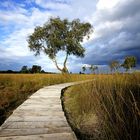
[
  {"x": 106, "y": 4},
  {"x": 6, "y": 17},
  {"x": 38, "y": 17},
  {"x": 107, "y": 17},
  {"x": 15, "y": 44},
  {"x": 45, "y": 62},
  {"x": 54, "y": 5}
]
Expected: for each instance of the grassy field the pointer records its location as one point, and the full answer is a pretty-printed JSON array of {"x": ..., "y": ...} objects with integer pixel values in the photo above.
[
  {"x": 106, "y": 109},
  {"x": 15, "y": 88}
]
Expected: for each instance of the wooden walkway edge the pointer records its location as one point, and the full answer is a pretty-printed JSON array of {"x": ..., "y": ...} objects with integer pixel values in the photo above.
[{"x": 40, "y": 117}]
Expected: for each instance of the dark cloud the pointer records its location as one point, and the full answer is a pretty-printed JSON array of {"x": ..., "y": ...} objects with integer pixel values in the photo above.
[
  {"x": 124, "y": 9},
  {"x": 118, "y": 42},
  {"x": 13, "y": 63},
  {"x": 9, "y": 65},
  {"x": 6, "y": 63}
]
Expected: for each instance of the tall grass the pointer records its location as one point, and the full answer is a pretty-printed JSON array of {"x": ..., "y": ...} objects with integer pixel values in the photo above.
[
  {"x": 106, "y": 109},
  {"x": 15, "y": 88}
]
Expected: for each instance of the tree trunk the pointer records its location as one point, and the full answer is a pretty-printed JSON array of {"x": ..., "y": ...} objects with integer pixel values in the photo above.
[{"x": 64, "y": 69}]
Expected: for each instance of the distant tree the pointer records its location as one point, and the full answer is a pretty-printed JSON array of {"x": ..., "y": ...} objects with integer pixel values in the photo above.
[
  {"x": 36, "y": 69},
  {"x": 129, "y": 62},
  {"x": 24, "y": 69},
  {"x": 114, "y": 65},
  {"x": 9, "y": 71},
  {"x": 84, "y": 68},
  {"x": 30, "y": 70},
  {"x": 42, "y": 71},
  {"x": 81, "y": 72},
  {"x": 60, "y": 35},
  {"x": 92, "y": 68}
]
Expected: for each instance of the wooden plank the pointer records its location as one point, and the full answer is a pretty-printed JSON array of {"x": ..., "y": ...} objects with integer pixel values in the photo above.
[
  {"x": 55, "y": 136},
  {"x": 34, "y": 131},
  {"x": 20, "y": 125},
  {"x": 40, "y": 117}
]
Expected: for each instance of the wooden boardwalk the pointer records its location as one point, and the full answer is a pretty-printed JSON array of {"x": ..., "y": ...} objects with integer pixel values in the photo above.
[{"x": 40, "y": 117}]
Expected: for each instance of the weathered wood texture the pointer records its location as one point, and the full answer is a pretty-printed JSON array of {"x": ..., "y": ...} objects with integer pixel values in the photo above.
[{"x": 40, "y": 117}]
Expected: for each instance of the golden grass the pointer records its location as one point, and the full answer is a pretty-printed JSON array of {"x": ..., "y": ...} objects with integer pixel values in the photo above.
[
  {"x": 106, "y": 109},
  {"x": 15, "y": 88}
]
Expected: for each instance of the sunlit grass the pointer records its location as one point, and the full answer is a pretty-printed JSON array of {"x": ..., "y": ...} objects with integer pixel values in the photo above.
[
  {"x": 107, "y": 108},
  {"x": 15, "y": 88}
]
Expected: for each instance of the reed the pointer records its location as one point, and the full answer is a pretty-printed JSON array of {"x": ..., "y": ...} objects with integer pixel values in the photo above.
[{"x": 108, "y": 108}]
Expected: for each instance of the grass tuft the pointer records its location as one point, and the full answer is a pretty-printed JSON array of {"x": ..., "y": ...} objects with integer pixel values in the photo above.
[{"x": 108, "y": 108}]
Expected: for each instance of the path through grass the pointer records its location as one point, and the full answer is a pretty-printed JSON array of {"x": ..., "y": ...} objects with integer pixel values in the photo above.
[{"x": 15, "y": 88}]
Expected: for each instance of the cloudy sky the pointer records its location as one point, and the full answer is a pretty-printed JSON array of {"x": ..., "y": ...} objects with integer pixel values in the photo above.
[{"x": 116, "y": 31}]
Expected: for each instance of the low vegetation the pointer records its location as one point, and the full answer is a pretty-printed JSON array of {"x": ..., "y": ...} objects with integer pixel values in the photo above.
[
  {"x": 108, "y": 108},
  {"x": 15, "y": 88}
]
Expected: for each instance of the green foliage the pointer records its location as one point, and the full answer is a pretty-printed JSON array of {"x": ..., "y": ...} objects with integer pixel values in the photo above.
[
  {"x": 24, "y": 69},
  {"x": 36, "y": 69},
  {"x": 92, "y": 68},
  {"x": 114, "y": 65},
  {"x": 59, "y": 35},
  {"x": 84, "y": 68},
  {"x": 129, "y": 62}
]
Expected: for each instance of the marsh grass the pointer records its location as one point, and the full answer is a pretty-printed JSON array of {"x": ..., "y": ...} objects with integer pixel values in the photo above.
[
  {"x": 108, "y": 108},
  {"x": 15, "y": 88}
]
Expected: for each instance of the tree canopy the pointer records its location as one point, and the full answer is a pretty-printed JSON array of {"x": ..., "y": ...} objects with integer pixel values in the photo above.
[
  {"x": 24, "y": 69},
  {"x": 92, "y": 68},
  {"x": 83, "y": 68},
  {"x": 60, "y": 35},
  {"x": 129, "y": 62},
  {"x": 114, "y": 65},
  {"x": 34, "y": 69}
]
